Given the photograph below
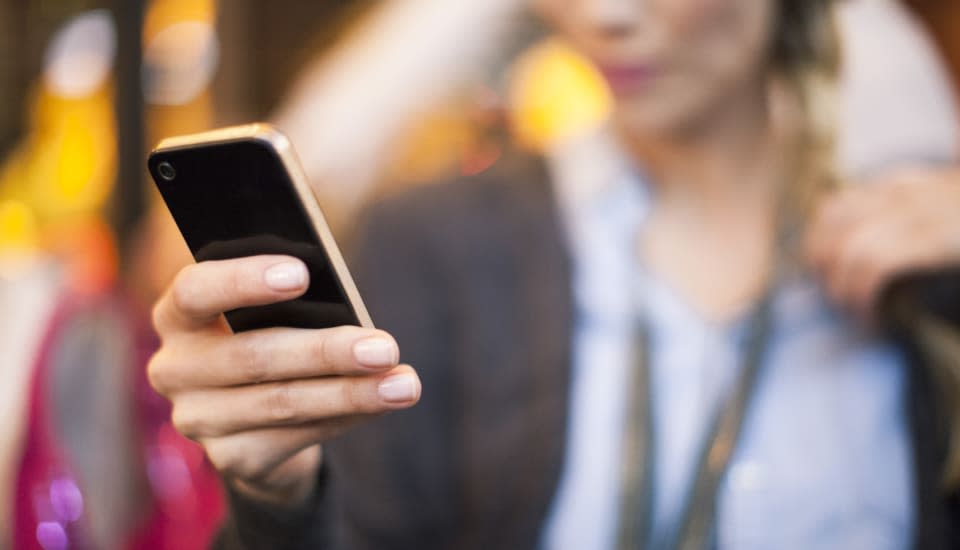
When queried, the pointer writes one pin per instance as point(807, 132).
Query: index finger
point(203, 291)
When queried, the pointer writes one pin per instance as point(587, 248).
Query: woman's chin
point(642, 118)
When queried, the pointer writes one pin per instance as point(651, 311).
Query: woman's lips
point(624, 78)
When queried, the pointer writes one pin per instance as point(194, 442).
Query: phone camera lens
point(166, 171)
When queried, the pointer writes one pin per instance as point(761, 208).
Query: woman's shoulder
point(897, 103)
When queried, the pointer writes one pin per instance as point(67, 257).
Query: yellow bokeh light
point(18, 227)
point(70, 157)
point(76, 164)
point(556, 94)
point(163, 13)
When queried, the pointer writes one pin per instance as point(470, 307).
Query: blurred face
point(671, 64)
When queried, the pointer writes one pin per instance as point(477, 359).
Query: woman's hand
point(260, 402)
point(864, 236)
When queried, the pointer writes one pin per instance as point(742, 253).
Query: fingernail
point(376, 352)
point(401, 388)
point(286, 276)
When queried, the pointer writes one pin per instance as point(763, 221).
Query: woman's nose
point(614, 17)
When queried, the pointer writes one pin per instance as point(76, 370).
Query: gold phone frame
point(279, 143)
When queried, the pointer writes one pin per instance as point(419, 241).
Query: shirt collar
point(594, 178)
point(586, 167)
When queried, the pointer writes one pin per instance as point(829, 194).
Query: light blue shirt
point(824, 458)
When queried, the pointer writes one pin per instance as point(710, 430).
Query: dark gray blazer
point(473, 279)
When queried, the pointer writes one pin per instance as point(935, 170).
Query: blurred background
point(371, 99)
point(87, 87)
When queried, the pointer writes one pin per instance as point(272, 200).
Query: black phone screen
point(236, 199)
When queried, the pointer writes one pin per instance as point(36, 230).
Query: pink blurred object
point(179, 503)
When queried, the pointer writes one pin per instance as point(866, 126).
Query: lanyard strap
point(695, 526)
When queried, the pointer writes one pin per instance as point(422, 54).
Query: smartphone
point(240, 191)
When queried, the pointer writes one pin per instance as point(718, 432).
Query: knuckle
point(157, 317)
point(320, 351)
point(238, 283)
point(248, 355)
point(185, 422)
point(157, 373)
point(233, 464)
point(183, 292)
point(236, 467)
point(281, 403)
point(353, 397)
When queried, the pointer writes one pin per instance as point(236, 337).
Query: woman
point(624, 355)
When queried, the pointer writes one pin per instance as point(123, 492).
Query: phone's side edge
point(284, 149)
